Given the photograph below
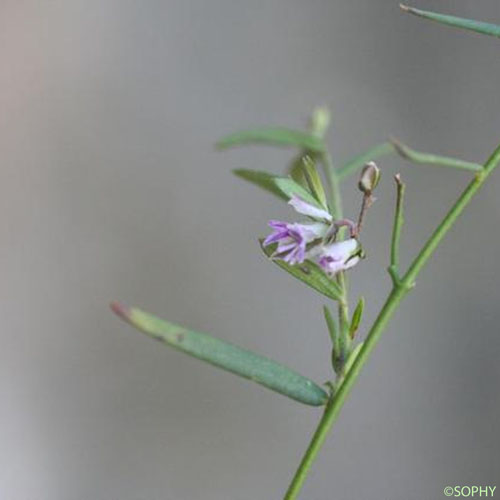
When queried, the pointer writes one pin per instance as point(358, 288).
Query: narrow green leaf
point(334, 336)
point(359, 161)
point(296, 171)
point(289, 187)
point(227, 356)
point(274, 136)
point(430, 159)
point(262, 179)
point(330, 323)
point(357, 315)
point(309, 273)
point(457, 22)
point(284, 187)
point(405, 152)
point(314, 181)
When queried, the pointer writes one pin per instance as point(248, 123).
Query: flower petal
point(304, 208)
point(339, 256)
point(341, 250)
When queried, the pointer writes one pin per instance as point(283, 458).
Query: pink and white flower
point(340, 256)
point(293, 238)
point(297, 242)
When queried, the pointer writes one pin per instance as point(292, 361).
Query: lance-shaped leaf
point(296, 172)
point(314, 181)
point(274, 136)
point(264, 180)
point(334, 335)
point(284, 187)
point(332, 326)
point(227, 356)
point(309, 273)
point(426, 158)
point(357, 315)
point(457, 22)
point(291, 188)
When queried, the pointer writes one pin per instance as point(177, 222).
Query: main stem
point(400, 289)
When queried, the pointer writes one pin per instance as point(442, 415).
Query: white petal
point(305, 208)
point(312, 231)
point(351, 263)
point(341, 250)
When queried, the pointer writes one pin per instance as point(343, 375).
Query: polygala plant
point(319, 247)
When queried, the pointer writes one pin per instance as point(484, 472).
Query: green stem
point(399, 290)
point(337, 401)
point(336, 208)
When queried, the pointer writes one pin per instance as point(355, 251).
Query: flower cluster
point(297, 242)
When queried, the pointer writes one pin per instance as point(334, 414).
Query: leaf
point(291, 188)
point(405, 152)
point(430, 159)
point(309, 273)
point(296, 171)
point(275, 136)
point(334, 335)
point(284, 187)
point(457, 22)
point(314, 181)
point(330, 323)
point(227, 356)
point(262, 179)
point(356, 317)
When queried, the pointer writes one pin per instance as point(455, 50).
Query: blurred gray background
point(111, 189)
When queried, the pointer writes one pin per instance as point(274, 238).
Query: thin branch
point(396, 232)
point(367, 202)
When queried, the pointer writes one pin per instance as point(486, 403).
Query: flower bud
point(369, 178)
point(320, 120)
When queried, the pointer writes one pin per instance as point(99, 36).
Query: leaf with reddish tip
point(227, 356)
point(456, 22)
